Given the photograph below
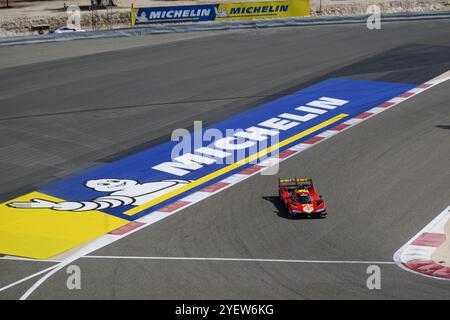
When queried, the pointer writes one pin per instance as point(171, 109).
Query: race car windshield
point(306, 198)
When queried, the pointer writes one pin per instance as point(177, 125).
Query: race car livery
point(301, 198)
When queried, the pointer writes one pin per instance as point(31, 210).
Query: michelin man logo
point(222, 14)
point(142, 17)
point(122, 193)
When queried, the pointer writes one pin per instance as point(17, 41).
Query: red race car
point(301, 198)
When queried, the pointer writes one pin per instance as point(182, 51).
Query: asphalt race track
point(383, 179)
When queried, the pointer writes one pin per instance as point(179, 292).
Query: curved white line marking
point(423, 252)
point(27, 278)
point(156, 216)
point(95, 245)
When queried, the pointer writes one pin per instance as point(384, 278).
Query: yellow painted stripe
point(235, 165)
point(44, 233)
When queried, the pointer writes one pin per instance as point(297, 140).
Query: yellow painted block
point(263, 10)
point(43, 233)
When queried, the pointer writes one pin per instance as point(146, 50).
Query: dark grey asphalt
point(63, 115)
point(384, 180)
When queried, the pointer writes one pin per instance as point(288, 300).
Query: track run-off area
point(365, 113)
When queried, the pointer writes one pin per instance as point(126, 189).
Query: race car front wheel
point(289, 214)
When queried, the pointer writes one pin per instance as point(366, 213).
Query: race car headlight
point(320, 210)
point(295, 211)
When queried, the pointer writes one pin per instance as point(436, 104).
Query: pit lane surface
point(373, 176)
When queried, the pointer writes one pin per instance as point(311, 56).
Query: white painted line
point(156, 216)
point(94, 245)
point(377, 110)
point(238, 260)
point(198, 196)
point(327, 134)
point(438, 221)
point(353, 121)
point(28, 278)
point(301, 147)
point(269, 162)
point(417, 253)
point(410, 253)
point(397, 100)
point(235, 178)
point(417, 90)
point(439, 79)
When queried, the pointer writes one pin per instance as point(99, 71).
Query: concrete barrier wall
point(21, 25)
point(215, 26)
point(350, 7)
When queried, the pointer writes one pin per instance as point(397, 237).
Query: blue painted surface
point(362, 96)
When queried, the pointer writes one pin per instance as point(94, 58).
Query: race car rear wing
point(297, 182)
